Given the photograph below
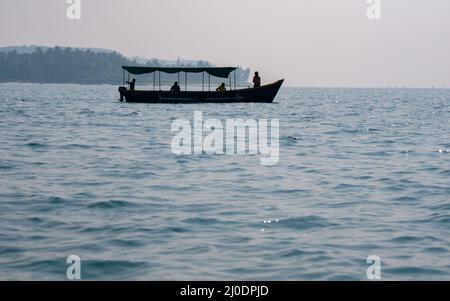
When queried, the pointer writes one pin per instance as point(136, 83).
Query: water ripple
point(361, 172)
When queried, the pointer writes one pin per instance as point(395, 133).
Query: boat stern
point(122, 91)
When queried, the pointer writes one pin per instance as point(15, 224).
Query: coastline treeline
point(73, 65)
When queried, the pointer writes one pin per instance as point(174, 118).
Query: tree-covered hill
point(74, 65)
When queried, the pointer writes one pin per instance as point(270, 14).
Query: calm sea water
point(361, 172)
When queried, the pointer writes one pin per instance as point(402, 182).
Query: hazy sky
point(308, 42)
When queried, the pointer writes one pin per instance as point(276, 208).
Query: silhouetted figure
point(132, 84)
point(256, 80)
point(175, 87)
point(221, 88)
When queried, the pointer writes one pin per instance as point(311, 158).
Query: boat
point(263, 94)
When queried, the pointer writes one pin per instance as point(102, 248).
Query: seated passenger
point(221, 88)
point(175, 87)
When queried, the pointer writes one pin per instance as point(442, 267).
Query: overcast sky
point(308, 42)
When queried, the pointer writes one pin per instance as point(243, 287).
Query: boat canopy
point(222, 72)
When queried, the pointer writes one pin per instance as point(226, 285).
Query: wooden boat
point(264, 94)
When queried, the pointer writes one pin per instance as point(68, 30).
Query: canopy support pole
point(154, 80)
point(203, 81)
point(229, 77)
point(235, 79)
point(159, 74)
point(178, 78)
point(209, 82)
point(185, 81)
point(123, 78)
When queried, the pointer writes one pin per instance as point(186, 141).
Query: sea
point(361, 188)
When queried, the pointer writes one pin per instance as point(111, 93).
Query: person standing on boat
point(175, 87)
point(256, 80)
point(132, 84)
point(221, 88)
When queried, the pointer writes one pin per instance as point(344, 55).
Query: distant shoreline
point(34, 64)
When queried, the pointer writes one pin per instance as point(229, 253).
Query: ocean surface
point(361, 172)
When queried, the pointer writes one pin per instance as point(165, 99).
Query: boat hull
point(265, 94)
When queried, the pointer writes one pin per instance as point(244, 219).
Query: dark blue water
point(361, 172)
